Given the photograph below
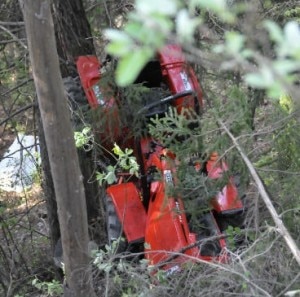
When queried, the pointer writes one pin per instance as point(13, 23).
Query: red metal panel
point(165, 229)
point(88, 70)
point(110, 130)
point(227, 199)
point(130, 210)
point(179, 76)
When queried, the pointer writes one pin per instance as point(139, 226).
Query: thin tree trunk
point(48, 188)
point(63, 157)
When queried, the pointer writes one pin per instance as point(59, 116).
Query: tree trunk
point(73, 37)
point(73, 34)
point(63, 157)
point(48, 187)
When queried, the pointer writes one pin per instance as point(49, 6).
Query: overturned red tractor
point(142, 209)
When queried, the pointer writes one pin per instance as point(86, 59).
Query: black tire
point(74, 91)
point(114, 227)
point(207, 228)
point(77, 101)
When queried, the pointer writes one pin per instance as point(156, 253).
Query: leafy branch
point(125, 161)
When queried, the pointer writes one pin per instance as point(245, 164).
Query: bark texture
point(64, 163)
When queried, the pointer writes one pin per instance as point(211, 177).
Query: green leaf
point(274, 31)
point(117, 150)
point(255, 80)
point(292, 39)
point(128, 151)
point(234, 42)
point(136, 30)
point(130, 65)
point(86, 130)
point(118, 49)
point(219, 7)
point(209, 4)
point(120, 43)
point(186, 25)
point(111, 176)
point(285, 66)
point(116, 35)
point(275, 90)
point(166, 7)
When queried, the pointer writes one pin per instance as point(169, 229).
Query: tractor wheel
point(74, 91)
point(114, 227)
point(76, 99)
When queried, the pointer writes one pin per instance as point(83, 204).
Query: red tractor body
point(146, 209)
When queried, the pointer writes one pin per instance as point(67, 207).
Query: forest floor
point(24, 232)
point(6, 135)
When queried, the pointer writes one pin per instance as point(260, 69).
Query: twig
point(289, 286)
point(16, 87)
point(224, 268)
point(10, 41)
point(263, 193)
point(11, 23)
point(19, 150)
point(14, 36)
point(17, 112)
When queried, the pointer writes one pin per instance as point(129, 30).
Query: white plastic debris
point(19, 164)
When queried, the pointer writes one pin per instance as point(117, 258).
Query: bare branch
point(16, 87)
point(11, 23)
point(14, 37)
point(265, 196)
point(17, 112)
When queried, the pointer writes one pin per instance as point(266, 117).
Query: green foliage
point(83, 138)
point(123, 278)
point(53, 288)
point(232, 233)
point(149, 27)
point(275, 75)
point(181, 132)
point(144, 33)
point(124, 161)
point(288, 140)
point(219, 7)
point(186, 26)
point(293, 13)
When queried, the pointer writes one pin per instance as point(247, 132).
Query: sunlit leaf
point(130, 65)
point(117, 150)
point(186, 25)
point(217, 6)
point(234, 42)
point(285, 66)
point(167, 7)
point(274, 31)
point(255, 80)
point(120, 43)
point(292, 39)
